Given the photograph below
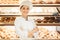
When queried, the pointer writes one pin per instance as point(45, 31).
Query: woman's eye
point(23, 8)
point(27, 8)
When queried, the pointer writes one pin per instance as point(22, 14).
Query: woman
point(24, 26)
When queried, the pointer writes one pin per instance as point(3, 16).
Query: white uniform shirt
point(26, 25)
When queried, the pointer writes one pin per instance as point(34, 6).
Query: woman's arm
point(35, 29)
point(31, 33)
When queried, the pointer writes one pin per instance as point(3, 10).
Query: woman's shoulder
point(30, 19)
point(18, 19)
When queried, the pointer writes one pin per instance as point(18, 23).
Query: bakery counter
point(8, 32)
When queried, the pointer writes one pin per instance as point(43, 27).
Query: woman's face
point(24, 9)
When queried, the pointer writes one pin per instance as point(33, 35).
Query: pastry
point(34, 1)
point(44, 21)
point(38, 20)
point(7, 33)
point(46, 34)
point(47, 18)
point(9, 1)
point(56, 21)
point(51, 20)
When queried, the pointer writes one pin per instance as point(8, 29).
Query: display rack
point(34, 5)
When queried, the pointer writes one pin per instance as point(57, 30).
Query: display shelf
point(6, 24)
point(31, 14)
point(34, 5)
point(34, 14)
point(48, 24)
point(43, 14)
point(38, 24)
point(9, 15)
point(46, 5)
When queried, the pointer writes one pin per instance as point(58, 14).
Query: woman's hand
point(35, 29)
point(21, 28)
point(30, 34)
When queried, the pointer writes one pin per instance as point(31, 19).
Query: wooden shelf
point(38, 24)
point(9, 15)
point(48, 24)
point(31, 15)
point(34, 5)
point(6, 24)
